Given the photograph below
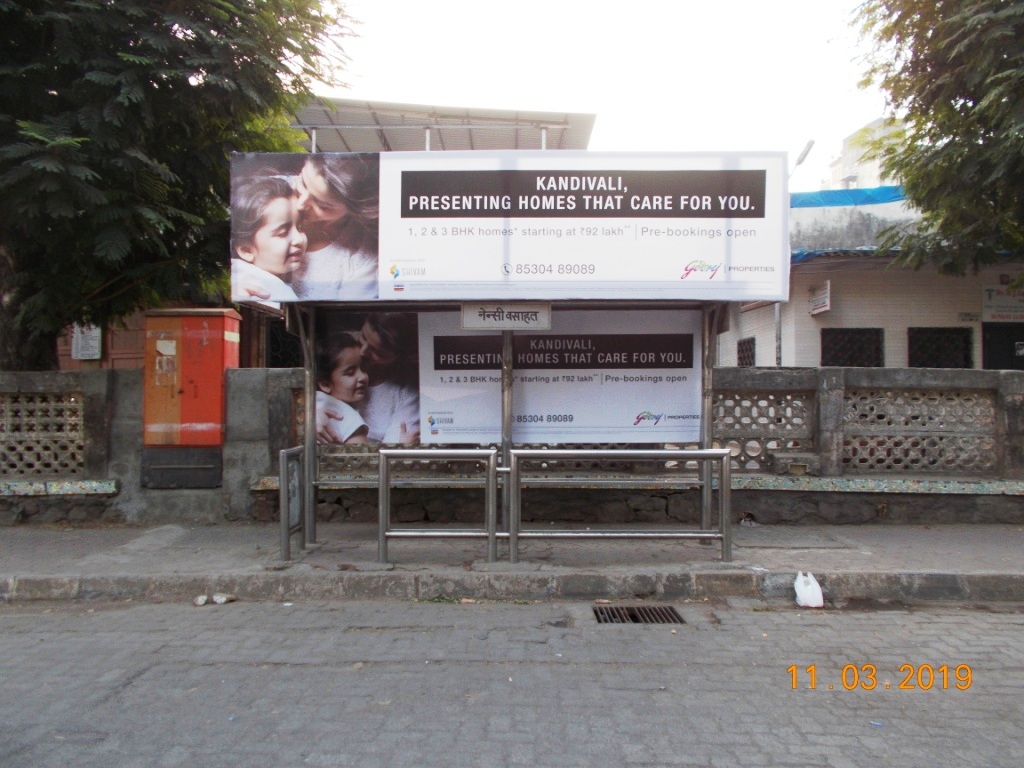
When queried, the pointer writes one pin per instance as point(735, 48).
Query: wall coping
point(58, 488)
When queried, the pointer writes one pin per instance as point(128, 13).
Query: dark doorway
point(1002, 346)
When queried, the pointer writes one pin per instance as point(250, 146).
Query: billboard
point(630, 377)
point(409, 378)
point(509, 225)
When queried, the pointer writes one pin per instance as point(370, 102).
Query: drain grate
point(637, 614)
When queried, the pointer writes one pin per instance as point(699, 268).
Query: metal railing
point(488, 456)
point(514, 483)
point(720, 456)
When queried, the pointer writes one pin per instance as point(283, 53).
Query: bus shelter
point(507, 320)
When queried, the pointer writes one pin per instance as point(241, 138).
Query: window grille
point(852, 347)
point(283, 348)
point(746, 352)
point(940, 347)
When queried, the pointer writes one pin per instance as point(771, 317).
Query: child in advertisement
point(267, 247)
point(343, 384)
point(389, 358)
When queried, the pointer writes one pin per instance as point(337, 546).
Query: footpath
point(881, 563)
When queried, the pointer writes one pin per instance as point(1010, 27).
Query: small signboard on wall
point(1001, 304)
point(86, 342)
point(821, 298)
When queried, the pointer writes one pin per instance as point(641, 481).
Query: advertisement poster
point(304, 227)
point(366, 374)
point(509, 225)
point(605, 377)
point(584, 225)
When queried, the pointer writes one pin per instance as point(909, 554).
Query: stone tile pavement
point(377, 684)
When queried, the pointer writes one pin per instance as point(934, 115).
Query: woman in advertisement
point(389, 348)
point(338, 199)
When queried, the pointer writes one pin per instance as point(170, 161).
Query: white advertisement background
point(491, 257)
point(460, 406)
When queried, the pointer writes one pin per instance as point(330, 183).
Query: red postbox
point(184, 401)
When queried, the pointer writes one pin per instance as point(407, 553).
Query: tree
point(117, 120)
point(953, 72)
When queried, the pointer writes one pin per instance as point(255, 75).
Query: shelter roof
point(348, 125)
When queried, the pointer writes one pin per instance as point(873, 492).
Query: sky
point(660, 75)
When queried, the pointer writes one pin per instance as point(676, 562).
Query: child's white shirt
point(343, 428)
point(246, 276)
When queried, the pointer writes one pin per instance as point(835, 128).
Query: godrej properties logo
point(648, 416)
point(700, 268)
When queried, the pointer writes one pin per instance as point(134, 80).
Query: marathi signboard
point(501, 226)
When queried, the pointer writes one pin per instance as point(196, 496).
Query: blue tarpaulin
point(838, 197)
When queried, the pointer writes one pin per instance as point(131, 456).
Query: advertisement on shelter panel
point(509, 225)
point(630, 376)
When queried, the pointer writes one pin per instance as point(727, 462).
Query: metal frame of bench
point(514, 482)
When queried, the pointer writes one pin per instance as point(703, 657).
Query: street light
point(803, 156)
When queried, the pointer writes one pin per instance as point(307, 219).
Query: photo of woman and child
point(367, 376)
point(304, 227)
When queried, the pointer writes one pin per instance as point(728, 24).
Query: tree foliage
point(117, 119)
point(953, 72)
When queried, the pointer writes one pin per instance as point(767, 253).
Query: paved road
point(501, 684)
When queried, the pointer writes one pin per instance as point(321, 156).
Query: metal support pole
point(311, 468)
point(491, 508)
point(506, 423)
point(706, 417)
point(426, 138)
point(515, 511)
point(725, 507)
point(383, 509)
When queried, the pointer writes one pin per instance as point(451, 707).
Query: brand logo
point(406, 272)
point(648, 416)
point(700, 268)
point(437, 421)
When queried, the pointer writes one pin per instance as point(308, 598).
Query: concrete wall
point(265, 412)
point(261, 420)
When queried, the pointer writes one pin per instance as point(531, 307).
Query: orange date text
point(865, 677)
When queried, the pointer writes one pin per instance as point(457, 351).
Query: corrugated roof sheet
point(345, 125)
